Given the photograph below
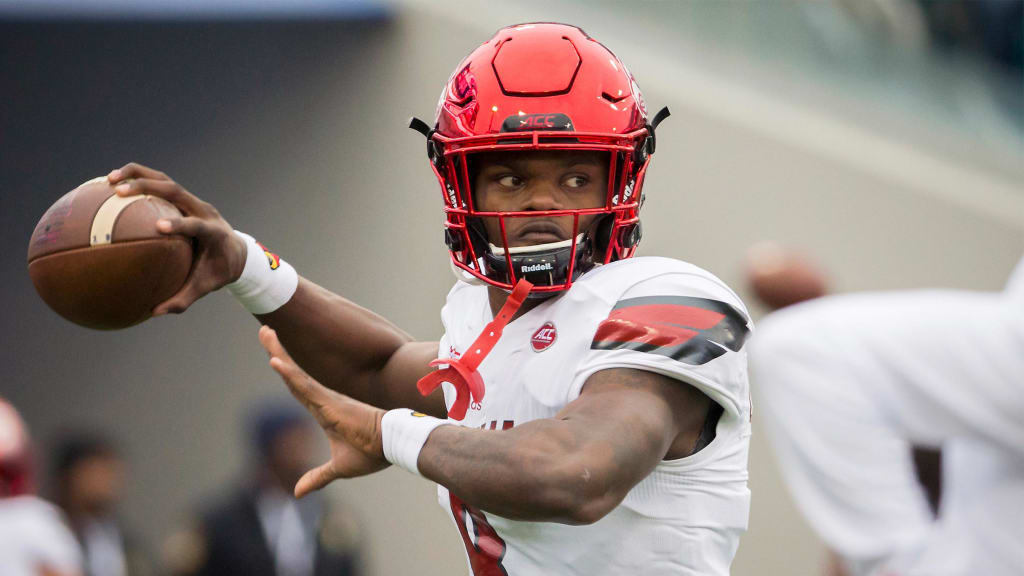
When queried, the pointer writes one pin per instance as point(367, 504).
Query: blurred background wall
point(890, 153)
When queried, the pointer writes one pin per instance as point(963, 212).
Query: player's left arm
point(573, 468)
point(578, 466)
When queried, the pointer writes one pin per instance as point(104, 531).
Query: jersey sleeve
point(849, 383)
point(686, 326)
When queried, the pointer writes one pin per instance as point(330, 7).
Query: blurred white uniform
point(33, 536)
point(848, 383)
point(653, 314)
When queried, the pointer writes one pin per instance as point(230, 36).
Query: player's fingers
point(300, 384)
point(167, 189)
point(307, 391)
point(271, 343)
point(190, 226)
point(134, 170)
point(315, 479)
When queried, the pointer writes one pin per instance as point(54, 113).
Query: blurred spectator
point(88, 478)
point(261, 529)
point(34, 540)
point(849, 383)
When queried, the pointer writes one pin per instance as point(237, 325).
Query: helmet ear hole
point(453, 240)
point(630, 235)
point(434, 152)
point(603, 233)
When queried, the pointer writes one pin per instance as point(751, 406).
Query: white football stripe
point(106, 217)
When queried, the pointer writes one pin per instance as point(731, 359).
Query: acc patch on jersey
point(685, 328)
point(543, 337)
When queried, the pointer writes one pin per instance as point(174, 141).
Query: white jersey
point(33, 536)
point(655, 314)
point(849, 383)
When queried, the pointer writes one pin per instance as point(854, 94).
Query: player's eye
point(510, 181)
point(575, 181)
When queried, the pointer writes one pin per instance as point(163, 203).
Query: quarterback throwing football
point(585, 412)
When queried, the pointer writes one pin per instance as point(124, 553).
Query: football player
point(34, 538)
point(585, 412)
point(850, 383)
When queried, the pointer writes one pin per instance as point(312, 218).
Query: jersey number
point(483, 545)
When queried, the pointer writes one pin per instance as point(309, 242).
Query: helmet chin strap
point(541, 264)
point(517, 250)
point(463, 276)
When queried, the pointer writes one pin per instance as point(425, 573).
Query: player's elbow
point(589, 511)
point(579, 495)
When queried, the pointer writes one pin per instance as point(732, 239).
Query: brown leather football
point(98, 260)
point(781, 277)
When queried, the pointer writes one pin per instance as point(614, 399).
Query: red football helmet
point(15, 454)
point(540, 86)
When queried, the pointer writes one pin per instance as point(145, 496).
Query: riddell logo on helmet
point(537, 267)
point(543, 337)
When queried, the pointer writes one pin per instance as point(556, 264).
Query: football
point(781, 277)
point(97, 259)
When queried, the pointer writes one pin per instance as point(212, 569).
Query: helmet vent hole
point(613, 99)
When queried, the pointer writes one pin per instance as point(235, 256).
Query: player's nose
point(543, 195)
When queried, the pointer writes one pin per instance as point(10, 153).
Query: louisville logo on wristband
point(273, 259)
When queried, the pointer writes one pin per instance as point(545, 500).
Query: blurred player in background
point(850, 382)
point(588, 412)
point(34, 540)
point(779, 277)
point(89, 481)
point(260, 529)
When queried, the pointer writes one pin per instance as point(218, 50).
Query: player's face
point(530, 181)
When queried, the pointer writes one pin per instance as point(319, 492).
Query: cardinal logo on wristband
point(273, 259)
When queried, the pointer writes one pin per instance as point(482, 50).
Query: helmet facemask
point(597, 233)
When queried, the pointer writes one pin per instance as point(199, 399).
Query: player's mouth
point(541, 232)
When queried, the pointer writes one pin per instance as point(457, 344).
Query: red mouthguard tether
point(461, 372)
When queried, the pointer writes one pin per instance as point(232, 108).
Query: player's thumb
point(314, 479)
point(180, 302)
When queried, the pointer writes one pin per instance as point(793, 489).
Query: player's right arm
point(341, 344)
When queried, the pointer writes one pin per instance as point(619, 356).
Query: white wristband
point(403, 433)
point(267, 281)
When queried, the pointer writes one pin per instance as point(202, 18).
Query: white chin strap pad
point(463, 276)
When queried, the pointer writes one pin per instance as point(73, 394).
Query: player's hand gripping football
point(352, 427)
point(219, 254)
